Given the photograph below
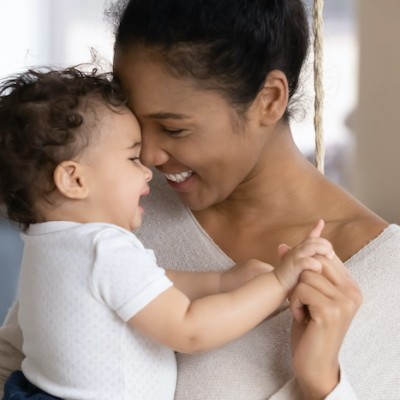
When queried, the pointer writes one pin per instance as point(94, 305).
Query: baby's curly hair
point(42, 113)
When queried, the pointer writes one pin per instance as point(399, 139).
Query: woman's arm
point(291, 391)
point(11, 355)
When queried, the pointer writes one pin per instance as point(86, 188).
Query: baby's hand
point(243, 272)
point(301, 257)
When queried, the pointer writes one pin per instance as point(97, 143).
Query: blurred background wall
point(360, 76)
point(36, 33)
point(376, 171)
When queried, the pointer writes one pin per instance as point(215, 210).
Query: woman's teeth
point(179, 177)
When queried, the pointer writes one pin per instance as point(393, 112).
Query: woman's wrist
point(320, 386)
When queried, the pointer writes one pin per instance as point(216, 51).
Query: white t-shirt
point(79, 285)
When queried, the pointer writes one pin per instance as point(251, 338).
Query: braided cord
point(318, 84)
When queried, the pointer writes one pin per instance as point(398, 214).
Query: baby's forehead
point(96, 113)
point(102, 108)
point(104, 122)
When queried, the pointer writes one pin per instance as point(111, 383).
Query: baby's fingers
point(317, 230)
point(282, 250)
point(315, 246)
point(309, 263)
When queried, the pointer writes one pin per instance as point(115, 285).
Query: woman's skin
point(251, 190)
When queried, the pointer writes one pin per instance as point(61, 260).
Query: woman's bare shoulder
point(351, 234)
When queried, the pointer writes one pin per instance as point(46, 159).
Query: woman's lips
point(180, 182)
point(179, 177)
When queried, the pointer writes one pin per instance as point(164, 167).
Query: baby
point(100, 319)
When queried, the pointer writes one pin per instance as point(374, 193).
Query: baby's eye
point(135, 159)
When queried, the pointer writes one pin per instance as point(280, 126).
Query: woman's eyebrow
point(166, 115)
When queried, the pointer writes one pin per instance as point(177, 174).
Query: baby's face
point(115, 176)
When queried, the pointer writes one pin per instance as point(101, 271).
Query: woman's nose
point(152, 152)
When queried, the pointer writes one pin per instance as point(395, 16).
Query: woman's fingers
point(335, 271)
point(301, 298)
point(334, 283)
point(323, 300)
point(320, 283)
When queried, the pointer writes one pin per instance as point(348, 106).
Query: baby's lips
point(146, 192)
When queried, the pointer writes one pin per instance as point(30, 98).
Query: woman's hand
point(323, 306)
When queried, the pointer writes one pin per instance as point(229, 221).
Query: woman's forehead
point(152, 89)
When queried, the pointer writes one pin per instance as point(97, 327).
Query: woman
point(210, 82)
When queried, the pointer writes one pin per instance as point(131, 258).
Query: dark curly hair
point(42, 113)
point(224, 45)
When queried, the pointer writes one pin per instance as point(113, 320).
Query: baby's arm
point(199, 284)
point(208, 322)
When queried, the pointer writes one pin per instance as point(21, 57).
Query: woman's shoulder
point(350, 235)
point(376, 269)
point(378, 242)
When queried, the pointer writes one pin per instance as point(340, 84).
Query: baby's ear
point(70, 180)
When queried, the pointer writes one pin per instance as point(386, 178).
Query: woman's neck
point(280, 203)
point(283, 183)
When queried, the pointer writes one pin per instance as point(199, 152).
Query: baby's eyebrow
point(134, 145)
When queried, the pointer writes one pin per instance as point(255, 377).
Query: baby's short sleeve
point(125, 275)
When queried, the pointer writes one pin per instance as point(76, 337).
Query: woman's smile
point(179, 177)
point(181, 182)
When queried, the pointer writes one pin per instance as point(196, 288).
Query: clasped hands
point(323, 300)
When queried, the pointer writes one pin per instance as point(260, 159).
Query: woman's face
point(189, 134)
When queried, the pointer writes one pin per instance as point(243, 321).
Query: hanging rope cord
point(318, 84)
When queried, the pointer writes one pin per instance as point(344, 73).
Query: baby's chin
point(136, 223)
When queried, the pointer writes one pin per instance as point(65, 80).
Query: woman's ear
point(273, 98)
point(70, 180)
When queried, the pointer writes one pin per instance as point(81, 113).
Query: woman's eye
point(172, 132)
